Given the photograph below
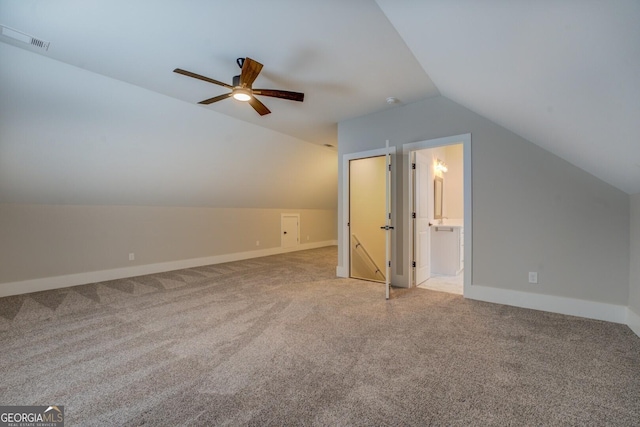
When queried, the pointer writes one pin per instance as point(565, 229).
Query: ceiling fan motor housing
point(236, 80)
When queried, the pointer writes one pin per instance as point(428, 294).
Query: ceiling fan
point(242, 90)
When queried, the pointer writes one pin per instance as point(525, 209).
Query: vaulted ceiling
point(563, 74)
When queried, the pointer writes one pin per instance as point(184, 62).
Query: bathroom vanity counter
point(449, 223)
point(447, 248)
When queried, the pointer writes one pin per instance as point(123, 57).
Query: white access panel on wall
point(290, 230)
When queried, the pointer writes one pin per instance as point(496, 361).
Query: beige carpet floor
point(282, 341)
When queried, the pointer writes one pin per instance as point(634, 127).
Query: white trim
point(47, 283)
point(465, 140)
point(342, 270)
point(633, 321)
point(554, 304)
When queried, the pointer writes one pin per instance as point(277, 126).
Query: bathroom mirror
point(437, 197)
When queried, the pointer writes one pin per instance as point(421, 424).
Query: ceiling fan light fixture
point(241, 94)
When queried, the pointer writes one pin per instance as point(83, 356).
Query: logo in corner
point(32, 416)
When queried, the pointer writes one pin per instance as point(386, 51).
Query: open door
point(421, 177)
point(367, 201)
point(367, 212)
point(388, 227)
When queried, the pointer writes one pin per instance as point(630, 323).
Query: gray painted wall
point(70, 136)
point(39, 241)
point(92, 169)
point(532, 211)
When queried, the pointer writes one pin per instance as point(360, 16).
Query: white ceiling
point(345, 56)
point(562, 74)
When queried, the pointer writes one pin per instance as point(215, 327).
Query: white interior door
point(388, 227)
point(290, 230)
point(422, 221)
point(367, 213)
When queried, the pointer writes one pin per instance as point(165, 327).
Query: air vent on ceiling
point(23, 37)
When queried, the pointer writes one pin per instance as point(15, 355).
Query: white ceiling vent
point(22, 37)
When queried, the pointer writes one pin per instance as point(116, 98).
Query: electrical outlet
point(307, 237)
point(132, 256)
point(257, 242)
point(533, 277)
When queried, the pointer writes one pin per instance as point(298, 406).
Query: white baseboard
point(633, 321)
point(342, 271)
point(47, 283)
point(570, 306)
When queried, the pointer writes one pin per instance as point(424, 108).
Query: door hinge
point(413, 215)
point(413, 165)
point(389, 167)
point(413, 264)
point(389, 215)
point(389, 264)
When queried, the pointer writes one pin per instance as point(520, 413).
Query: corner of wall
point(633, 318)
point(633, 321)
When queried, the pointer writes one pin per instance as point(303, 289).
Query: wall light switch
point(533, 277)
point(257, 242)
point(132, 256)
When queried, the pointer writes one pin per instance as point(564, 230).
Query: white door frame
point(346, 235)
point(465, 140)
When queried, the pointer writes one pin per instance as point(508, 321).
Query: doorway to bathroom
point(439, 209)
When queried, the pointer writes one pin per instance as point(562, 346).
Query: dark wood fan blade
point(258, 106)
point(250, 70)
point(198, 76)
point(215, 99)
point(284, 94)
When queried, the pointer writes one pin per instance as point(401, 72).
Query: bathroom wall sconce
point(441, 166)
